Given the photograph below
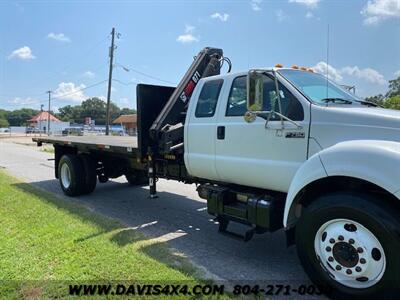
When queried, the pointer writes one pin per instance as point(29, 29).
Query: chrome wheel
point(350, 253)
point(65, 176)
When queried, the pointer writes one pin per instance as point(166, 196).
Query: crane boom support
point(172, 117)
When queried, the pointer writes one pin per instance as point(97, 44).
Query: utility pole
point(48, 114)
point(109, 82)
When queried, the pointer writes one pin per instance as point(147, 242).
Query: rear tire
point(71, 175)
point(137, 178)
point(348, 244)
point(90, 174)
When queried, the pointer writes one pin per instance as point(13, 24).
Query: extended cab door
point(251, 154)
point(200, 129)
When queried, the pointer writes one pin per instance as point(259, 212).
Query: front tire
point(71, 175)
point(348, 244)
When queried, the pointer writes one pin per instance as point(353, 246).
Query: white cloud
point(60, 37)
point(323, 68)
point(255, 5)
point(309, 3)
point(89, 74)
point(23, 101)
point(397, 73)
point(281, 15)
point(367, 74)
point(24, 53)
point(188, 37)
point(70, 91)
point(222, 17)
point(379, 10)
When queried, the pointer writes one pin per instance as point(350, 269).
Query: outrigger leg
point(152, 177)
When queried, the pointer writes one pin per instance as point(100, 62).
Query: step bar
point(260, 211)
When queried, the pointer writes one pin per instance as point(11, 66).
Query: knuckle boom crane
point(167, 129)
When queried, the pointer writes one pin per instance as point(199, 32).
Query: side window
point(237, 101)
point(208, 98)
point(291, 107)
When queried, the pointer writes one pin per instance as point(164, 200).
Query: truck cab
point(221, 145)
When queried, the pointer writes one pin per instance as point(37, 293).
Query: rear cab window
point(207, 102)
point(237, 101)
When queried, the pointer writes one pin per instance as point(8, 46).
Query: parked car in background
point(32, 130)
point(73, 131)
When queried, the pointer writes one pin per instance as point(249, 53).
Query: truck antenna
point(327, 61)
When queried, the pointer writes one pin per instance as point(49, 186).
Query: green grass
point(45, 239)
point(47, 149)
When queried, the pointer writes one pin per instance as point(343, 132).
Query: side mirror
point(255, 90)
point(250, 117)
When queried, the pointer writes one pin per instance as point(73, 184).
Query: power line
point(38, 101)
point(127, 68)
point(77, 58)
point(24, 95)
point(90, 50)
point(151, 76)
point(25, 103)
point(99, 67)
point(124, 83)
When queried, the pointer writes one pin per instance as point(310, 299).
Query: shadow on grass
point(124, 236)
point(172, 259)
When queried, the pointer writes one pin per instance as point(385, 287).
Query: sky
point(63, 46)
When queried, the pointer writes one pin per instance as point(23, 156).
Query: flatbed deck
point(117, 144)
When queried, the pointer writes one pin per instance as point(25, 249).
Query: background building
point(128, 123)
point(40, 122)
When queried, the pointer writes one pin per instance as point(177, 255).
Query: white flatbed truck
point(270, 148)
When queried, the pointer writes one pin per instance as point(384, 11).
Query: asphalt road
point(178, 216)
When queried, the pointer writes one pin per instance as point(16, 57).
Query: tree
point(4, 123)
point(4, 114)
point(391, 99)
point(20, 116)
point(394, 88)
point(94, 108)
point(127, 111)
point(378, 99)
point(392, 103)
point(70, 113)
point(115, 112)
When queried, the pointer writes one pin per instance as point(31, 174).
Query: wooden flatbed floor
point(120, 144)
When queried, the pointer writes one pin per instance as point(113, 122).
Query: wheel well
point(333, 184)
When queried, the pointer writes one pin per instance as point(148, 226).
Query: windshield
point(317, 88)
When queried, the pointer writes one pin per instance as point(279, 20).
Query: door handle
point(221, 132)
